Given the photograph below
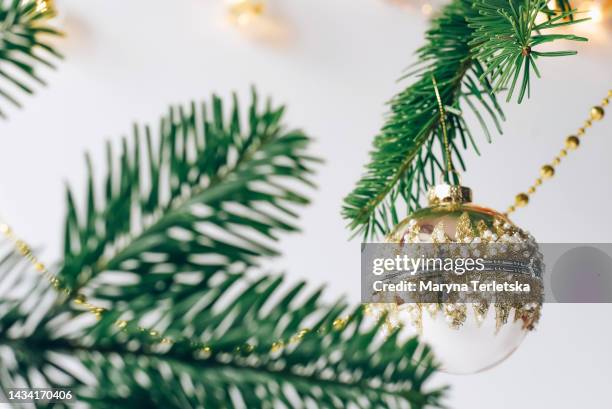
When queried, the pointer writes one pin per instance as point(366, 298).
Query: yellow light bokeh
point(243, 12)
point(596, 13)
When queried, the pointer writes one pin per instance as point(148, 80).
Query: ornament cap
point(449, 194)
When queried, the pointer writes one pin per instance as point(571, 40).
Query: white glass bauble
point(464, 337)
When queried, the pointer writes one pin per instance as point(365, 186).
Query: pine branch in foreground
point(330, 366)
point(174, 247)
point(23, 29)
point(475, 50)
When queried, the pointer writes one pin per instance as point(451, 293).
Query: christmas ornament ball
point(464, 337)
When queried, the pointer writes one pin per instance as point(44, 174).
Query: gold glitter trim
point(529, 315)
point(456, 314)
point(480, 312)
point(502, 312)
point(464, 232)
point(481, 226)
point(413, 231)
point(438, 235)
point(498, 230)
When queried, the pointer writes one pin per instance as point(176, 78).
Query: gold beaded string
point(64, 290)
point(204, 350)
point(572, 142)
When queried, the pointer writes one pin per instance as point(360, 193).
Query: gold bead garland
point(204, 350)
point(572, 142)
point(547, 171)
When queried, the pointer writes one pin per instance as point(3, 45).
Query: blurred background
point(335, 64)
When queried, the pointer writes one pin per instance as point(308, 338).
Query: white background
point(335, 64)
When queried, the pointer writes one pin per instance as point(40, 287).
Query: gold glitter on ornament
point(502, 312)
point(464, 232)
point(433, 309)
point(439, 234)
point(456, 314)
point(481, 226)
point(480, 312)
point(413, 232)
point(501, 227)
point(528, 314)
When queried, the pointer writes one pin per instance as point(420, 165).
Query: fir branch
point(208, 194)
point(147, 232)
point(331, 366)
point(23, 28)
point(475, 50)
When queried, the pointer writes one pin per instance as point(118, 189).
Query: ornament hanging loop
point(450, 169)
point(458, 179)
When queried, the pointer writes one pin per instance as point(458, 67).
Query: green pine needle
point(23, 47)
point(475, 50)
